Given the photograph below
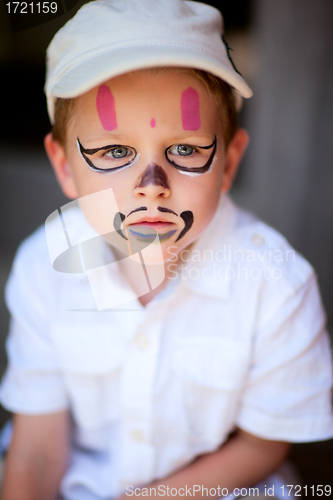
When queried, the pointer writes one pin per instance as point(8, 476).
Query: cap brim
point(101, 67)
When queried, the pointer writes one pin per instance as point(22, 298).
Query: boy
point(204, 378)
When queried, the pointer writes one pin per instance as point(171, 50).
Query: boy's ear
point(59, 162)
point(233, 157)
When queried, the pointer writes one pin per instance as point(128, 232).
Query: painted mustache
point(187, 217)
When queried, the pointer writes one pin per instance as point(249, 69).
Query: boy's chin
point(151, 252)
point(155, 254)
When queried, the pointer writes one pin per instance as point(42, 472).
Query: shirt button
point(258, 240)
point(142, 341)
point(137, 436)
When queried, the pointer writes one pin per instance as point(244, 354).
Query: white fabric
point(151, 388)
point(107, 38)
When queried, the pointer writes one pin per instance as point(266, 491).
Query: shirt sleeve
point(288, 392)
point(32, 383)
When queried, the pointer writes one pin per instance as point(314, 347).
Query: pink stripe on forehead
point(190, 109)
point(106, 109)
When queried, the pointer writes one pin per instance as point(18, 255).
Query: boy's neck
point(128, 272)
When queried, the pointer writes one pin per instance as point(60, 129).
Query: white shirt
point(237, 339)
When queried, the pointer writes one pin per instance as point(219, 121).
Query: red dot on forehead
point(153, 123)
point(106, 109)
point(190, 109)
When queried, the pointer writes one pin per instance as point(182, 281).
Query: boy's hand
point(37, 457)
point(242, 461)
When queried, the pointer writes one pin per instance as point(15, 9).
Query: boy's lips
point(141, 229)
point(158, 224)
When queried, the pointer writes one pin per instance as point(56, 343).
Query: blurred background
point(284, 49)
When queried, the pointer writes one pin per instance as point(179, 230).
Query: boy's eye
point(114, 157)
point(181, 149)
point(109, 158)
point(191, 159)
point(118, 152)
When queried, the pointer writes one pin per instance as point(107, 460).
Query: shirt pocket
point(90, 358)
point(212, 373)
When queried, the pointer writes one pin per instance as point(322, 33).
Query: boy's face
point(156, 139)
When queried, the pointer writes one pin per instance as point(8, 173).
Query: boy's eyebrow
point(106, 138)
point(184, 138)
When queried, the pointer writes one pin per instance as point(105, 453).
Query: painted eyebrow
point(103, 148)
point(207, 147)
point(200, 170)
point(194, 145)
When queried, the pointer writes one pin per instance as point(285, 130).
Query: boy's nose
point(153, 183)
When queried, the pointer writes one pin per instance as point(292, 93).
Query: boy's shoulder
point(35, 254)
point(31, 251)
point(34, 281)
point(263, 246)
point(249, 252)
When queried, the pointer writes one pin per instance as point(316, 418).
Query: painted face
point(156, 139)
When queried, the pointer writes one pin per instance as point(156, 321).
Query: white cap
point(107, 38)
